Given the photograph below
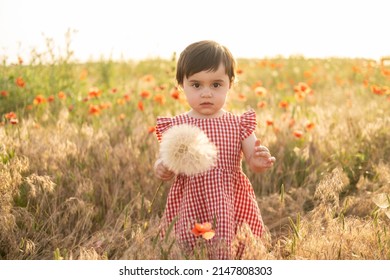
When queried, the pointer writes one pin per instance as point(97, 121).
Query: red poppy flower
point(10, 115)
point(20, 82)
point(127, 97)
point(269, 122)
point(61, 95)
point(298, 133)
point(301, 90)
point(302, 87)
point(145, 94)
point(239, 71)
point(205, 230)
point(159, 98)
point(386, 72)
point(377, 90)
point(141, 106)
point(241, 96)
point(94, 92)
point(94, 110)
point(261, 91)
point(175, 94)
point(309, 126)
point(261, 104)
point(283, 104)
point(39, 99)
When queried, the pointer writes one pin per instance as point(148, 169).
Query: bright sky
point(140, 29)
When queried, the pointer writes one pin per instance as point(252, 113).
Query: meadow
point(77, 148)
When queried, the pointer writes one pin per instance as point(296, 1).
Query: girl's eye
point(196, 85)
point(216, 85)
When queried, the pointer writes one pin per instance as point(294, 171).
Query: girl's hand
point(162, 172)
point(261, 158)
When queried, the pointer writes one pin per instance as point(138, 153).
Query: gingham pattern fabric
point(223, 195)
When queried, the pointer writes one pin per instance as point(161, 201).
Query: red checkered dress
point(223, 195)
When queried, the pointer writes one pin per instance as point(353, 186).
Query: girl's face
point(206, 92)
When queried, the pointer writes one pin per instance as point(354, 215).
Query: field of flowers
point(77, 147)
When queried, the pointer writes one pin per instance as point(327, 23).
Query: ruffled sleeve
point(247, 124)
point(163, 124)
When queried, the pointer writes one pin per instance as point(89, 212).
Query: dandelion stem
point(154, 196)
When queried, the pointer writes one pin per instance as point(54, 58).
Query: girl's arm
point(257, 156)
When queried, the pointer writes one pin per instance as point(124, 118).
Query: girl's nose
point(207, 92)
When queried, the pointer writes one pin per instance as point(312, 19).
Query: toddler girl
point(223, 195)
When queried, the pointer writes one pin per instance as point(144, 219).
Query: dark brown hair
point(204, 56)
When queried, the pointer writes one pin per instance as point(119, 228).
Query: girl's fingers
point(165, 174)
point(265, 159)
point(169, 177)
point(263, 154)
point(162, 172)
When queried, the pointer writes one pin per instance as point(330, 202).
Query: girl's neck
point(196, 115)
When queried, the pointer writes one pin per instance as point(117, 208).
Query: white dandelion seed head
point(186, 149)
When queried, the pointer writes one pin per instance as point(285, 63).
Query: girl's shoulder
point(171, 120)
point(248, 115)
point(248, 123)
point(164, 123)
